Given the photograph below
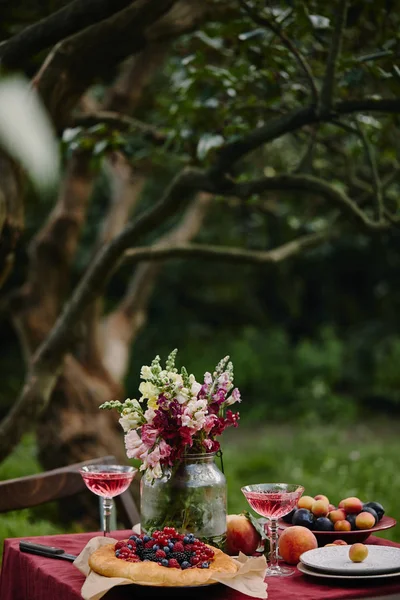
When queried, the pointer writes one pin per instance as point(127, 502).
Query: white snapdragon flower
point(145, 372)
point(176, 378)
point(152, 473)
point(148, 390)
point(130, 419)
point(183, 396)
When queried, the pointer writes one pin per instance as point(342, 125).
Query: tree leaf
point(207, 142)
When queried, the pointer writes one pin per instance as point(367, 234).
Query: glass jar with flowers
point(172, 430)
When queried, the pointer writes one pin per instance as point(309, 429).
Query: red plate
point(351, 537)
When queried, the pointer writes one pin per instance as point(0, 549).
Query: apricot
point(331, 507)
point(305, 502)
point(321, 497)
point(364, 520)
point(352, 505)
point(358, 552)
point(342, 525)
point(340, 505)
point(295, 540)
point(241, 535)
point(337, 515)
point(326, 545)
point(340, 543)
point(320, 508)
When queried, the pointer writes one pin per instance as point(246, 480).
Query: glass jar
point(190, 496)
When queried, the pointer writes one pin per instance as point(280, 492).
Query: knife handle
point(33, 548)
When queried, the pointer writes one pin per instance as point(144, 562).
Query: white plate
point(335, 559)
point(307, 571)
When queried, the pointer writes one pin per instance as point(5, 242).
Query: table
point(29, 577)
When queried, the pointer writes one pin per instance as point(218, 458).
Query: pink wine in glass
point(273, 500)
point(272, 504)
point(107, 485)
point(107, 481)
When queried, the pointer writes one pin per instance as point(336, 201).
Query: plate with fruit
point(351, 520)
point(357, 559)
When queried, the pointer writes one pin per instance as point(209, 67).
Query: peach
point(321, 497)
point(337, 515)
point(358, 552)
point(340, 505)
point(320, 508)
point(326, 545)
point(352, 505)
point(339, 543)
point(331, 507)
point(342, 525)
point(295, 540)
point(364, 520)
point(305, 502)
point(241, 535)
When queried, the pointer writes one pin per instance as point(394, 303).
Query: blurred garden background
point(281, 247)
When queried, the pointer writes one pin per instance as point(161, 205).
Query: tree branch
point(127, 92)
point(121, 122)
point(230, 254)
point(308, 184)
point(328, 85)
point(65, 74)
point(287, 42)
point(376, 181)
point(70, 19)
point(275, 128)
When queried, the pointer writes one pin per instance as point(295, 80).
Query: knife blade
point(42, 550)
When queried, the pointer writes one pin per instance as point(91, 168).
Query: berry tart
point(166, 558)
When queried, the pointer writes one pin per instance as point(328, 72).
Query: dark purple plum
point(303, 517)
point(323, 524)
point(352, 520)
point(378, 508)
point(288, 518)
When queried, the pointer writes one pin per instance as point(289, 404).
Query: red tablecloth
point(29, 577)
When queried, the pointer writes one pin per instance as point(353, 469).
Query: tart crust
point(104, 562)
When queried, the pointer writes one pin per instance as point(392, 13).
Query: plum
point(288, 518)
point(352, 520)
point(323, 524)
point(378, 508)
point(304, 518)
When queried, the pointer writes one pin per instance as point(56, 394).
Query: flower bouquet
point(172, 430)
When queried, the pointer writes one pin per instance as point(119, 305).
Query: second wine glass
point(107, 481)
point(273, 501)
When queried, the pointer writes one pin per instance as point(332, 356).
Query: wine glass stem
point(107, 509)
point(273, 552)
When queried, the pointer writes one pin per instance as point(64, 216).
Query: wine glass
point(273, 501)
point(107, 481)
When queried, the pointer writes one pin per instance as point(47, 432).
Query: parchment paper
point(249, 579)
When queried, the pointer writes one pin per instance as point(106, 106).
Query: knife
point(48, 551)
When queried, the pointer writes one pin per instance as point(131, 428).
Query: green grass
point(362, 461)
